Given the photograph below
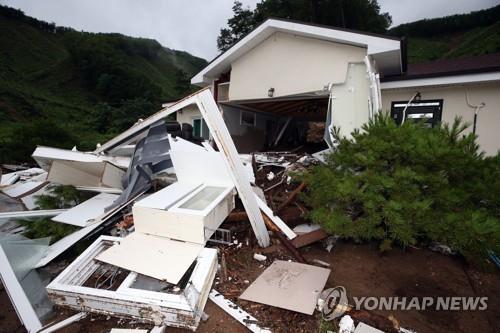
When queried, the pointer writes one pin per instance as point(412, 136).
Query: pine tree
point(407, 184)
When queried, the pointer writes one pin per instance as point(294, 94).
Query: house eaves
point(441, 80)
point(385, 50)
point(472, 69)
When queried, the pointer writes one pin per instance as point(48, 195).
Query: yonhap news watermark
point(334, 303)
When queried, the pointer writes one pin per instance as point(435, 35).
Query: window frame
point(242, 123)
point(398, 106)
point(202, 125)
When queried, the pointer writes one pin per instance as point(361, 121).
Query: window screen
point(428, 111)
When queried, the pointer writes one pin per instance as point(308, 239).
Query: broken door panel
point(158, 257)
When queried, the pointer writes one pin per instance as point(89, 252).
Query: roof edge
point(199, 78)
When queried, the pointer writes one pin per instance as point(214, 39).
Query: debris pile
point(167, 223)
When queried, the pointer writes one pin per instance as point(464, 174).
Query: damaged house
point(284, 77)
point(285, 84)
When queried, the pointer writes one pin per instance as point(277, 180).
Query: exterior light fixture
point(270, 92)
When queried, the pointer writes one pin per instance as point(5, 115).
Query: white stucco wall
point(187, 114)
point(291, 65)
point(454, 104)
point(350, 100)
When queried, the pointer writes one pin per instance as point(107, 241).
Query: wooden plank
point(212, 116)
point(286, 243)
point(309, 238)
point(236, 312)
point(128, 135)
point(277, 221)
point(292, 196)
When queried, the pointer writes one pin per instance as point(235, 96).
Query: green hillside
point(455, 36)
point(63, 88)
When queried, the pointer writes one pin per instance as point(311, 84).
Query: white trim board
point(442, 80)
point(21, 189)
point(27, 214)
point(213, 117)
point(88, 211)
point(236, 312)
point(289, 233)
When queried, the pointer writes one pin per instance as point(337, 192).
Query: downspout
point(476, 110)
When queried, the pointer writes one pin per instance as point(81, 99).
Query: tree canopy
point(362, 15)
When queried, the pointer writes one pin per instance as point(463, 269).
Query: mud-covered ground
point(361, 269)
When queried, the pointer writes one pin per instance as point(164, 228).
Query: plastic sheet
point(23, 254)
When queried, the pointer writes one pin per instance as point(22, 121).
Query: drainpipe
point(476, 110)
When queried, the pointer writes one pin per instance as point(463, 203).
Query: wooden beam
point(309, 238)
point(291, 197)
point(213, 118)
point(283, 240)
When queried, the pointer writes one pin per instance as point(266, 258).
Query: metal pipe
point(476, 110)
point(407, 105)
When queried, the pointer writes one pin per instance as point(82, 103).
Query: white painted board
point(178, 143)
point(88, 211)
point(212, 116)
point(29, 200)
point(288, 285)
point(9, 178)
point(21, 189)
point(236, 312)
point(158, 257)
point(276, 219)
point(200, 167)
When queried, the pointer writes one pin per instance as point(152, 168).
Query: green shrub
point(61, 196)
point(57, 197)
point(45, 227)
point(405, 184)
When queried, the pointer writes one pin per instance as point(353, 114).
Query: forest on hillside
point(62, 87)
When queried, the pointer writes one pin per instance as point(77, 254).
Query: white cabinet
point(184, 211)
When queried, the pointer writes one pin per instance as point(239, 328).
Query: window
point(428, 111)
point(200, 128)
point(247, 118)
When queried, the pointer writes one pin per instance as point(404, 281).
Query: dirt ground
point(361, 269)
